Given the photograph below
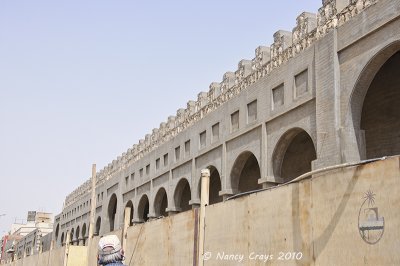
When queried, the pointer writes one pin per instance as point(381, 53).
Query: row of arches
point(296, 159)
point(374, 114)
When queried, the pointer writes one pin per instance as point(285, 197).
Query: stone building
point(323, 94)
point(29, 238)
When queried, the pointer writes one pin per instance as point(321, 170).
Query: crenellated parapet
point(309, 28)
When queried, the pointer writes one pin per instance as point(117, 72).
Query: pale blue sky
point(82, 81)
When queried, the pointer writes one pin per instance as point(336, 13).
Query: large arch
point(143, 208)
point(112, 210)
point(245, 172)
point(375, 105)
point(129, 205)
point(293, 155)
point(182, 195)
point(98, 226)
point(215, 186)
point(161, 203)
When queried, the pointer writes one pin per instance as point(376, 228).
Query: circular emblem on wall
point(370, 225)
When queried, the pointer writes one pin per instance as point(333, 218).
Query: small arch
point(84, 234)
point(245, 172)
point(77, 232)
point(62, 239)
point(143, 208)
point(57, 231)
point(112, 210)
point(161, 203)
point(215, 186)
point(71, 235)
point(98, 226)
point(182, 195)
point(293, 155)
point(129, 205)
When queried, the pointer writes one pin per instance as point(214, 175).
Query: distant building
point(26, 239)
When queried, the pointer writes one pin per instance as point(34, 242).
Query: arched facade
point(84, 236)
point(161, 203)
point(112, 210)
point(98, 226)
point(77, 235)
point(245, 173)
point(129, 205)
point(143, 208)
point(375, 105)
point(293, 155)
point(182, 195)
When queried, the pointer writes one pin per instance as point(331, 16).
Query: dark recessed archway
point(293, 154)
point(182, 195)
point(62, 239)
point(380, 115)
point(98, 226)
point(161, 203)
point(129, 205)
point(143, 208)
point(112, 210)
point(245, 172)
point(57, 231)
point(84, 234)
point(77, 235)
point(215, 186)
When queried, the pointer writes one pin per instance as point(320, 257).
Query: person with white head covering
point(110, 251)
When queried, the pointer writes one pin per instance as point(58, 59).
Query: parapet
point(309, 28)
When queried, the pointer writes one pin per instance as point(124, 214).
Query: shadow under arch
point(143, 208)
point(129, 205)
point(245, 173)
point(293, 154)
point(112, 210)
point(375, 104)
point(215, 186)
point(161, 203)
point(182, 195)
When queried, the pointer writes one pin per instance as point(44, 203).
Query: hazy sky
point(82, 81)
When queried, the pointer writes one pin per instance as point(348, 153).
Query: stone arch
point(293, 155)
point(129, 205)
point(182, 195)
point(161, 202)
point(62, 239)
point(112, 210)
point(143, 208)
point(71, 235)
point(77, 235)
point(245, 172)
point(84, 234)
point(215, 185)
point(98, 226)
point(57, 232)
point(375, 104)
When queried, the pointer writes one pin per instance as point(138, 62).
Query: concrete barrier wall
point(168, 241)
point(345, 217)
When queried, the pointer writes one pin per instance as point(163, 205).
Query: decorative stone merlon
point(244, 70)
point(282, 41)
point(309, 28)
point(215, 90)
